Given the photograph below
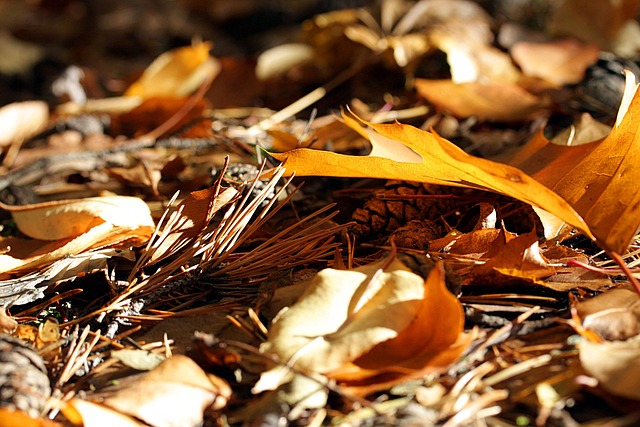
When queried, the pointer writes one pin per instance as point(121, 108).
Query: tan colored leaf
point(487, 101)
point(280, 59)
point(616, 365)
point(71, 218)
point(343, 314)
point(174, 394)
point(613, 315)
point(22, 120)
point(360, 324)
point(75, 226)
point(178, 72)
point(406, 153)
point(559, 62)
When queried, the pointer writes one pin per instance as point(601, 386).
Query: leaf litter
point(465, 291)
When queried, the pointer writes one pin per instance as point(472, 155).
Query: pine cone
point(383, 215)
point(24, 384)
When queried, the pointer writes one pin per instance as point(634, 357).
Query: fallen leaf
point(343, 314)
point(22, 120)
point(520, 258)
point(74, 226)
point(9, 418)
point(597, 22)
point(280, 59)
point(404, 152)
point(486, 101)
point(141, 360)
point(89, 414)
point(71, 218)
point(616, 365)
point(174, 394)
point(157, 110)
point(362, 323)
point(559, 62)
point(422, 348)
point(599, 179)
point(613, 315)
point(178, 72)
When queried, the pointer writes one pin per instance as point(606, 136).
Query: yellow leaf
point(411, 154)
point(176, 73)
point(22, 120)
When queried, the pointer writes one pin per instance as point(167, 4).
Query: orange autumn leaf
point(520, 257)
point(404, 152)
point(421, 348)
point(177, 72)
point(599, 179)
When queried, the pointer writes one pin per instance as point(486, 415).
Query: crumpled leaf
point(176, 73)
point(404, 152)
point(423, 348)
point(343, 314)
point(613, 315)
point(361, 323)
point(520, 257)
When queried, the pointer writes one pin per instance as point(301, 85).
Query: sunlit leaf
point(176, 73)
point(406, 153)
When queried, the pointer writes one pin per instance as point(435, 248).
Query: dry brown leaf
point(22, 120)
point(520, 257)
point(176, 73)
point(613, 315)
point(595, 21)
point(487, 101)
point(559, 62)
